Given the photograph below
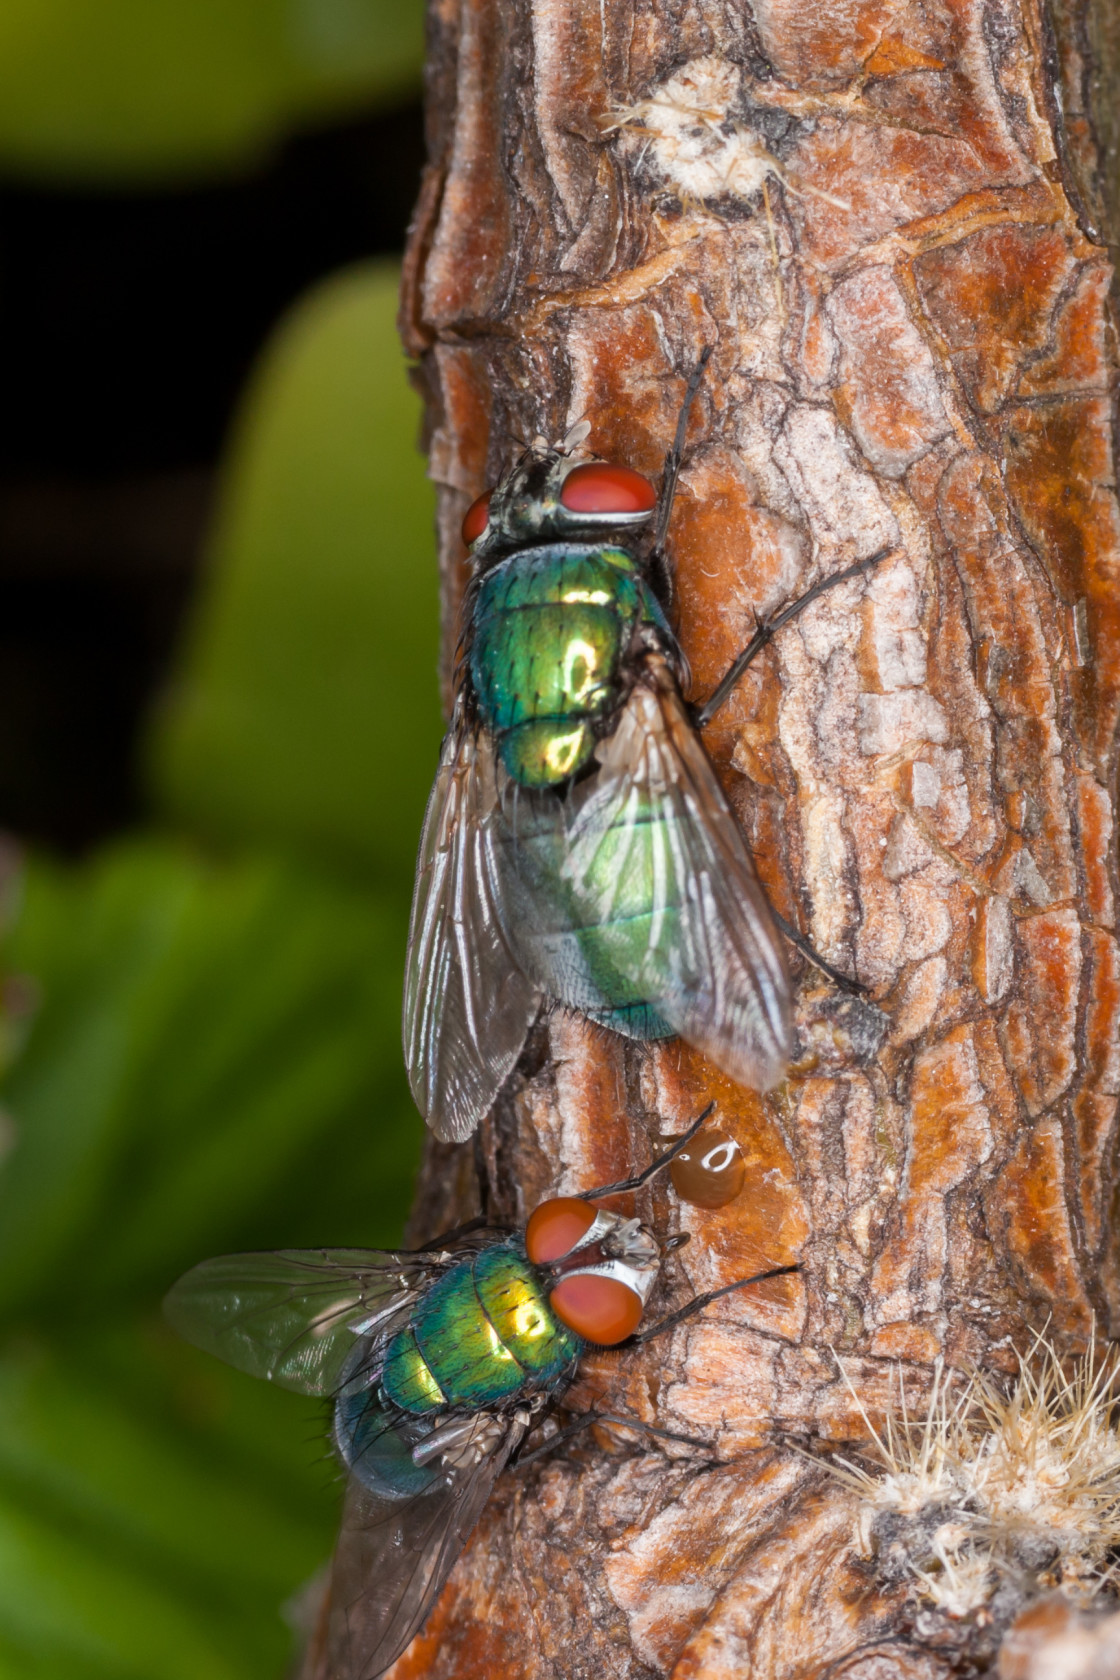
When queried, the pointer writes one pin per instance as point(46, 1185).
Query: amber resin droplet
point(709, 1171)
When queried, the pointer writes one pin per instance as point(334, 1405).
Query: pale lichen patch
point(688, 129)
point(845, 509)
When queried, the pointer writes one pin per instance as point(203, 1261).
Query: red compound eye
point(476, 519)
point(600, 1309)
point(556, 1227)
point(599, 487)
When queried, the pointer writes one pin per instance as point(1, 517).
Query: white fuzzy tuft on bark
point(695, 139)
point(692, 137)
point(991, 1484)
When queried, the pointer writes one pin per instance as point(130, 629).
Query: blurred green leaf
point(204, 1045)
point(143, 1531)
point(146, 89)
point(307, 710)
point(212, 1064)
point(206, 1033)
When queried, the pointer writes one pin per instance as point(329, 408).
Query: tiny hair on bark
point(889, 224)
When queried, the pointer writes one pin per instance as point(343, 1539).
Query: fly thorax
point(549, 626)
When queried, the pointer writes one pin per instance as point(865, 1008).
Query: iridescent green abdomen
point(482, 1333)
point(548, 632)
point(593, 965)
point(549, 629)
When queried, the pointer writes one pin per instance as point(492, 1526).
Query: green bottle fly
point(550, 631)
point(438, 1365)
point(579, 848)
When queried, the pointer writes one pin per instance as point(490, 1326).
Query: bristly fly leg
point(673, 459)
point(447, 1238)
point(586, 1419)
point(700, 1302)
point(811, 954)
point(662, 1161)
point(702, 716)
point(769, 629)
point(655, 560)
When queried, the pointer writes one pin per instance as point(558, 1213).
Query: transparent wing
point(394, 1556)
point(294, 1317)
point(544, 921)
point(656, 858)
point(467, 1006)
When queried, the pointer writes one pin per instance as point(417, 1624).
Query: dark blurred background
point(129, 321)
point(218, 722)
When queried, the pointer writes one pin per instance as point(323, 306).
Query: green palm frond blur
point(200, 1042)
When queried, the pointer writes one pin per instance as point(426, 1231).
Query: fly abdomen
point(548, 631)
point(590, 962)
point(377, 1443)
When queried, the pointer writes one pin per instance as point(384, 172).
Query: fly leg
point(699, 1302)
point(586, 1419)
point(811, 954)
point(769, 629)
point(655, 561)
point(448, 1238)
point(723, 690)
point(654, 1167)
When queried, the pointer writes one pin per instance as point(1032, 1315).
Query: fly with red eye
point(438, 1365)
point(578, 848)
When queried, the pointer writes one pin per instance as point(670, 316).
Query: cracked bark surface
point(924, 763)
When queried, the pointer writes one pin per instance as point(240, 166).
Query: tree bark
point(909, 304)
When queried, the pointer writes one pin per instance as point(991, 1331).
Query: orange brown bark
point(913, 347)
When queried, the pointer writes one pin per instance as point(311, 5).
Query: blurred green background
point(199, 1035)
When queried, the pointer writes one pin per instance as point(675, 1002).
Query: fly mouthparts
point(579, 1258)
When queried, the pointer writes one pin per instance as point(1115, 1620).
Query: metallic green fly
point(578, 846)
point(438, 1363)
